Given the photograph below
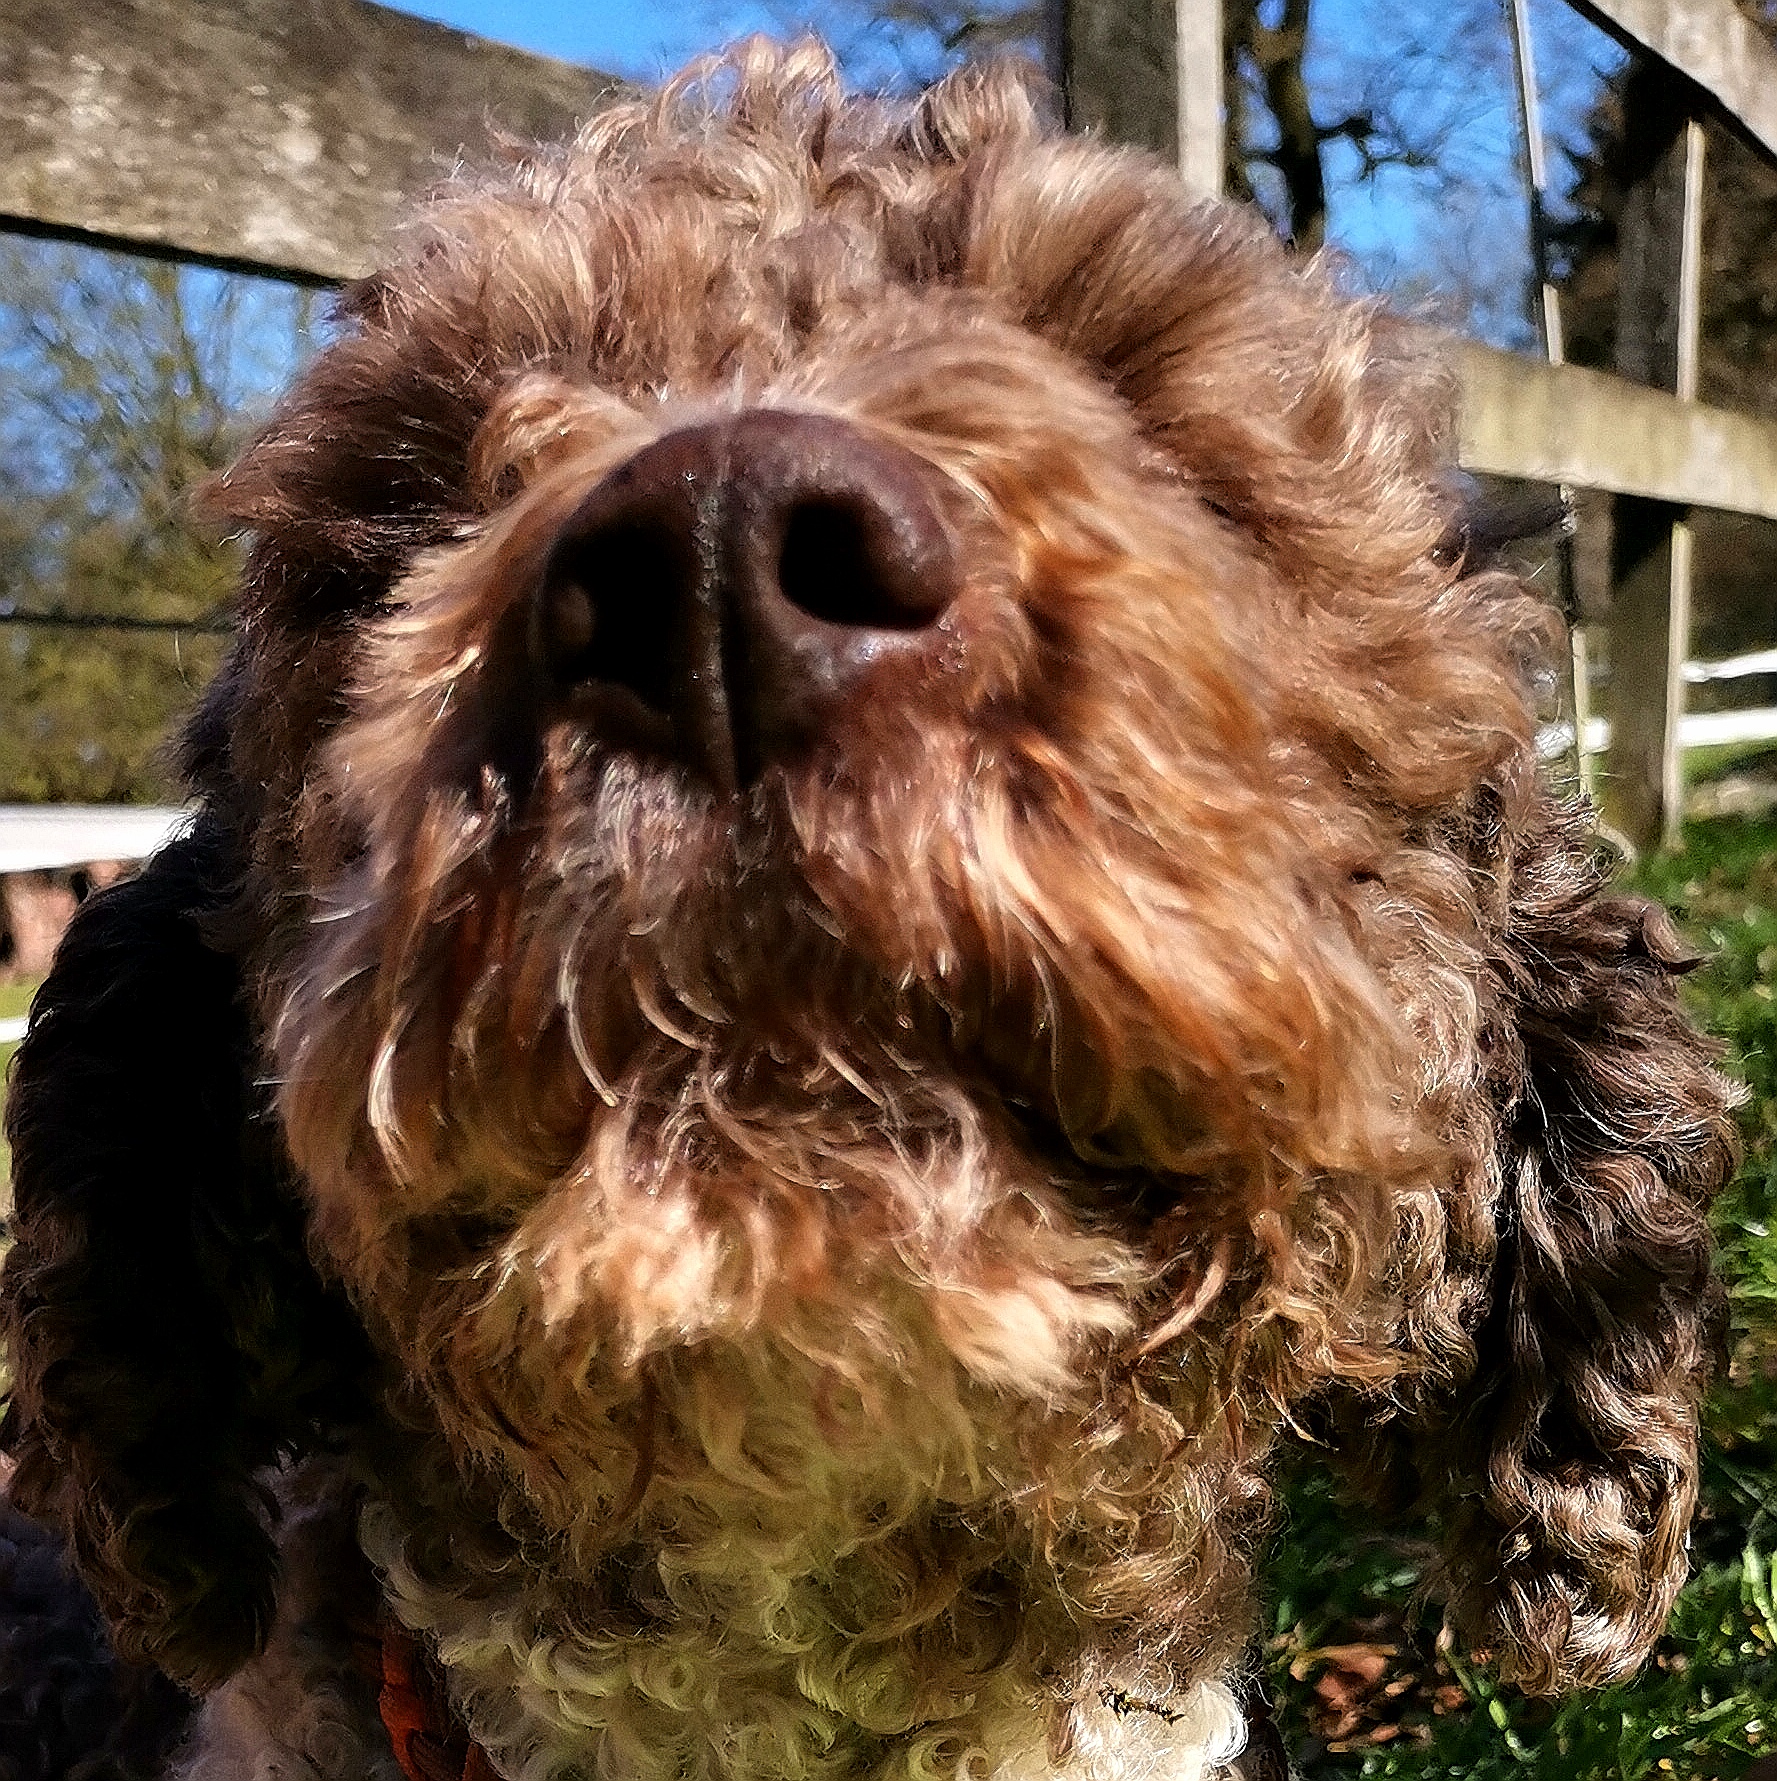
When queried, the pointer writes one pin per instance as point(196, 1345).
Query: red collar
point(425, 1734)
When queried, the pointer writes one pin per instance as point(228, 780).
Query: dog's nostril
point(731, 590)
point(842, 561)
point(568, 623)
point(607, 606)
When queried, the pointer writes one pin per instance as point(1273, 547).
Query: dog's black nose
point(736, 584)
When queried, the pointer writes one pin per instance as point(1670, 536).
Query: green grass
point(1362, 1681)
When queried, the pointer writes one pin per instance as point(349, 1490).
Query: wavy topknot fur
point(871, 897)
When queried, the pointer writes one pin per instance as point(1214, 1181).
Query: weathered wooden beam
point(1650, 630)
point(1118, 70)
point(1710, 42)
point(1659, 314)
point(262, 135)
point(1561, 423)
point(281, 135)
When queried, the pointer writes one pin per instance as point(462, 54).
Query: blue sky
point(1451, 239)
point(638, 40)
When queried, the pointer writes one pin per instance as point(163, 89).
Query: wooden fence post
point(1147, 72)
point(1659, 284)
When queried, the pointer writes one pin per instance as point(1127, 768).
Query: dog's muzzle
point(728, 592)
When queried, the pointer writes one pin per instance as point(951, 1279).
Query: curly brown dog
point(872, 895)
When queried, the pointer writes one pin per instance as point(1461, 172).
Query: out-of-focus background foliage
point(123, 383)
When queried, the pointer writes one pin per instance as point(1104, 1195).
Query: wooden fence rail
point(274, 136)
point(279, 136)
point(1710, 43)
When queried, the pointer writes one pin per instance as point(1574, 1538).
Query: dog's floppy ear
point(1568, 1534)
point(167, 1334)
point(1564, 1467)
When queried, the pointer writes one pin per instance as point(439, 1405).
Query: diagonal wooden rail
point(276, 136)
point(1713, 45)
point(1565, 424)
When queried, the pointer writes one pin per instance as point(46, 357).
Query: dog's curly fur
point(809, 1278)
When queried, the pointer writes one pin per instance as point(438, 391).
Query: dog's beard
point(809, 1335)
point(756, 1273)
point(987, 1117)
point(646, 1096)
point(633, 1070)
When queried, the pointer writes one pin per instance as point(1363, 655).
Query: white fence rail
point(59, 837)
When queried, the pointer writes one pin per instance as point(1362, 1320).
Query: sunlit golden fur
point(845, 1254)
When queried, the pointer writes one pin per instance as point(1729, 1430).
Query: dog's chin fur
point(828, 1576)
point(841, 1256)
